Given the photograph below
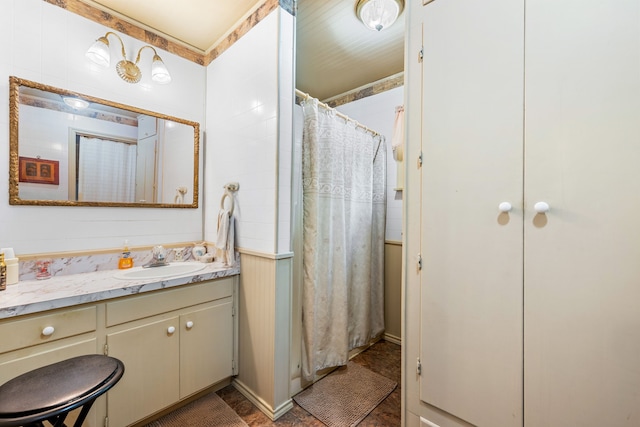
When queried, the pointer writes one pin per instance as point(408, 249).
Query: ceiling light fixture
point(379, 14)
point(127, 70)
point(75, 103)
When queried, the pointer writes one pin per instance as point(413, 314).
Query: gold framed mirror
point(71, 149)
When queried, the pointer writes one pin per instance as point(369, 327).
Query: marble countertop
point(33, 296)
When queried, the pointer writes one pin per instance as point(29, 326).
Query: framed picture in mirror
point(39, 171)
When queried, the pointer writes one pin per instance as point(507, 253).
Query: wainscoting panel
point(264, 332)
point(393, 291)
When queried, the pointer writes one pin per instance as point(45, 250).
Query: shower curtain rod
point(306, 96)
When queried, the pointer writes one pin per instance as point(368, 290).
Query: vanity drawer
point(31, 331)
point(163, 301)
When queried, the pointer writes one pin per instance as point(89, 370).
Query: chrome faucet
point(157, 258)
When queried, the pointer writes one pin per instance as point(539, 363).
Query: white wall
point(248, 140)
point(242, 135)
point(378, 112)
point(46, 44)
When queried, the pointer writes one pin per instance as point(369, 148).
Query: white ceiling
point(335, 52)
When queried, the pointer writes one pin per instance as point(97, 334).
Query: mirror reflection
point(71, 149)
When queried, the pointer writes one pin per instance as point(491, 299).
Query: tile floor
point(383, 358)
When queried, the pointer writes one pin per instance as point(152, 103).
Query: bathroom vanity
point(175, 336)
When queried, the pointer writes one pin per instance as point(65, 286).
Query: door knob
point(49, 330)
point(189, 324)
point(504, 207)
point(171, 329)
point(541, 207)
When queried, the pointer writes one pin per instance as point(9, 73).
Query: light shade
point(159, 72)
point(99, 52)
point(75, 103)
point(379, 14)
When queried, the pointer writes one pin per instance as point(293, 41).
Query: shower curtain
point(344, 169)
point(106, 170)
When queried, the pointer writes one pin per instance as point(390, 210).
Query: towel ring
point(230, 196)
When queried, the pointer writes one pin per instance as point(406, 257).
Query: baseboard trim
point(393, 339)
point(283, 409)
point(263, 406)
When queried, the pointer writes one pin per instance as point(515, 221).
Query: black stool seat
point(51, 392)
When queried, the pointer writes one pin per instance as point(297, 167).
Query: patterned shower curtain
point(343, 181)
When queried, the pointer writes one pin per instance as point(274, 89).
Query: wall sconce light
point(127, 70)
point(379, 14)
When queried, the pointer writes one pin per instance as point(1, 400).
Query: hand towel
point(223, 229)
point(225, 238)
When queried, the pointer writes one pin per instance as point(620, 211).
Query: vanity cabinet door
point(15, 363)
point(32, 341)
point(151, 355)
point(206, 347)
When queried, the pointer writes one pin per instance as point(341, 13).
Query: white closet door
point(471, 285)
point(582, 258)
point(146, 170)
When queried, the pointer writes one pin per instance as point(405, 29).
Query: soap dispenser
point(125, 260)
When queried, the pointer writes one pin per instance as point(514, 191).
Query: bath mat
point(346, 396)
point(210, 410)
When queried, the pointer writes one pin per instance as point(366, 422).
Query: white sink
point(171, 270)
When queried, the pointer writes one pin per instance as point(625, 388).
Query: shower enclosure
point(339, 208)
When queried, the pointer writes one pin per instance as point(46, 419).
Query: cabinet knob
point(541, 207)
point(171, 329)
point(504, 207)
point(189, 324)
point(49, 330)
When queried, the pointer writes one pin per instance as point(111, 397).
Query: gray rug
point(208, 411)
point(346, 396)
